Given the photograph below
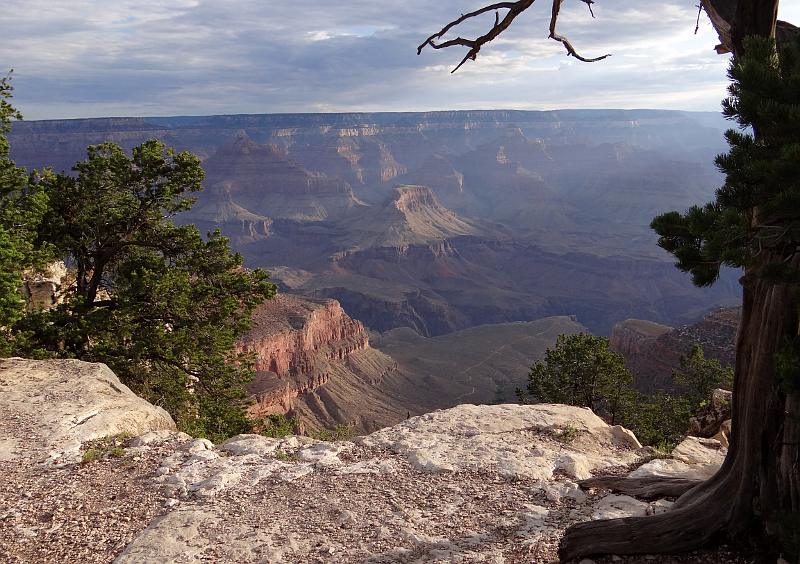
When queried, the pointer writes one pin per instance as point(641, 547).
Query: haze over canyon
point(446, 220)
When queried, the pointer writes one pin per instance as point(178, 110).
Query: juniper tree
point(753, 223)
point(581, 370)
point(156, 301)
point(21, 210)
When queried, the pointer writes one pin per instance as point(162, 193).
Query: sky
point(95, 58)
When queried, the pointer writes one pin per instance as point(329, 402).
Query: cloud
point(91, 58)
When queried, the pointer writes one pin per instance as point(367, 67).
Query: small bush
point(275, 426)
point(566, 433)
point(338, 433)
point(105, 447)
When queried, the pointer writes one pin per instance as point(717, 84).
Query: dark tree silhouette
point(756, 493)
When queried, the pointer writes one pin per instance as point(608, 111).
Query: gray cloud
point(93, 58)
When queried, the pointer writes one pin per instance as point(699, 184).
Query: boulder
point(709, 419)
point(517, 440)
point(694, 459)
point(57, 405)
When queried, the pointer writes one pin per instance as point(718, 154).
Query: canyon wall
point(652, 351)
point(315, 362)
point(441, 221)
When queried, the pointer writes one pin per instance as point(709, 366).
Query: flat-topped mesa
point(409, 199)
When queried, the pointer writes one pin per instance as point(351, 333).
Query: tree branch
point(563, 40)
point(500, 25)
point(648, 488)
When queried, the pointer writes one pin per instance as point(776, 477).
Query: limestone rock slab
point(63, 403)
point(518, 441)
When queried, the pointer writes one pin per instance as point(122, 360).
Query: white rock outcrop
point(471, 483)
point(467, 484)
point(53, 406)
point(531, 441)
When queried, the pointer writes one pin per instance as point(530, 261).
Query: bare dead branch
point(563, 40)
point(699, 12)
point(500, 25)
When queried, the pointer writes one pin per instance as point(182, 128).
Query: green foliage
point(275, 426)
point(105, 447)
point(660, 419)
point(157, 302)
point(566, 433)
point(758, 207)
point(698, 376)
point(21, 209)
point(338, 433)
point(581, 370)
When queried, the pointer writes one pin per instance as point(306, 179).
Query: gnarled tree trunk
point(756, 492)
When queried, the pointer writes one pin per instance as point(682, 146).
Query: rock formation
point(652, 351)
point(523, 215)
point(61, 404)
point(411, 215)
point(472, 483)
point(314, 361)
point(713, 419)
point(46, 288)
point(264, 181)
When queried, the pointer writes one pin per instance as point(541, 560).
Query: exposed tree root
point(684, 528)
point(647, 488)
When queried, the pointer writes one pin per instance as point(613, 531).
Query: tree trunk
point(756, 493)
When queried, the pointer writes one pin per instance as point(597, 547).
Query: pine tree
point(21, 209)
point(754, 223)
point(160, 304)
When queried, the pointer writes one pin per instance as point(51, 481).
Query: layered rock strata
point(314, 361)
point(653, 351)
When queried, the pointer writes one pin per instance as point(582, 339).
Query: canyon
point(315, 363)
point(442, 221)
point(653, 351)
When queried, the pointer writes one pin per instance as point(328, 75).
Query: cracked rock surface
point(468, 484)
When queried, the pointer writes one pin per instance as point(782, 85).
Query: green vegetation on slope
point(159, 303)
point(22, 206)
point(581, 370)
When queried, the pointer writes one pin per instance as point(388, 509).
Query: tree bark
point(646, 488)
point(756, 493)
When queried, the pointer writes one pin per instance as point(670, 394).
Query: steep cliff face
point(263, 180)
point(652, 351)
point(309, 354)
